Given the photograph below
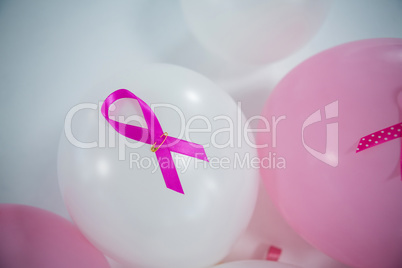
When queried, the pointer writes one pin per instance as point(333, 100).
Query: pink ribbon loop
point(381, 136)
point(155, 136)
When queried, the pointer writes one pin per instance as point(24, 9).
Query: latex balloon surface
point(347, 204)
point(114, 189)
point(256, 31)
point(255, 264)
point(32, 237)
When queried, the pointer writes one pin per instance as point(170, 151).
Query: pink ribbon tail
point(381, 136)
point(273, 253)
point(155, 136)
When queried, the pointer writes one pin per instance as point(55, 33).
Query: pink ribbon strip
point(273, 253)
point(381, 136)
point(155, 136)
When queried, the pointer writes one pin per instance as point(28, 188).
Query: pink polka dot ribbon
point(161, 143)
point(379, 137)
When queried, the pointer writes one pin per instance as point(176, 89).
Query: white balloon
point(254, 264)
point(254, 31)
point(124, 207)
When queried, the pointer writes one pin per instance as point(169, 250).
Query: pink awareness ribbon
point(162, 144)
point(381, 136)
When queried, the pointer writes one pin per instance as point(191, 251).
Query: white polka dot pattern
point(381, 136)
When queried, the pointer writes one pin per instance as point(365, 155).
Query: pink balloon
point(347, 204)
point(34, 238)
